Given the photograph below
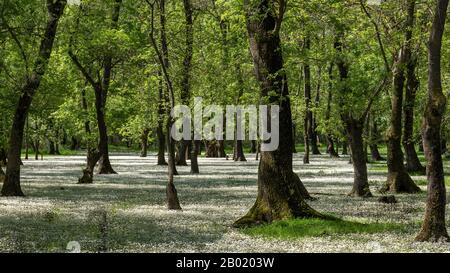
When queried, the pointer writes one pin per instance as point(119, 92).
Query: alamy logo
point(263, 123)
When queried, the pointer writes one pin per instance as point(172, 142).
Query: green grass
point(298, 228)
point(424, 182)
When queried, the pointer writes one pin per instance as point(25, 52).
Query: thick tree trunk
point(433, 227)
point(398, 180)
point(281, 194)
point(11, 184)
point(93, 156)
point(354, 130)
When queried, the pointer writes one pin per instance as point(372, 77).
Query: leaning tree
point(28, 89)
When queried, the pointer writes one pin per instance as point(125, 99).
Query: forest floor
point(127, 213)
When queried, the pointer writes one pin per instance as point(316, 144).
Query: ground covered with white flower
point(127, 213)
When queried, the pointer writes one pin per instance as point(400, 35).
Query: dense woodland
point(353, 79)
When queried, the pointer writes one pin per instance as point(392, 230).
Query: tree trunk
point(144, 142)
point(374, 139)
point(314, 136)
point(186, 80)
point(159, 129)
point(307, 123)
point(93, 156)
point(253, 147)
point(433, 227)
point(27, 138)
point(194, 156)
point(330, 141)
point(11, 185)
point(412, 160)
point(354, 130)
point(104, 165)
point(398, 180)
point(51, 148)
point(281, 194)
point(239, 151)
point(345, 147)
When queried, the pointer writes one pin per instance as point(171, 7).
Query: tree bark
point(194, 156)
point(433, 227)
point(253, 147)
point(281, 194)
point(144, 142)
point(398, 180)
point(160, 128)
point(11, 184)
point(374, 139)
point(354, 130)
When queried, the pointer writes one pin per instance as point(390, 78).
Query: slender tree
point(171, 193)
point(412, 84)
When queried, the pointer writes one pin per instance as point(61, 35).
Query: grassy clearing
point(298, 228)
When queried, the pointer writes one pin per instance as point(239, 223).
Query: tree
point(171, 193)
point(101, 87)
point(433, 227)
point(412, 84)
point(398, 179)
point(281, 194)
point(55, 9)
